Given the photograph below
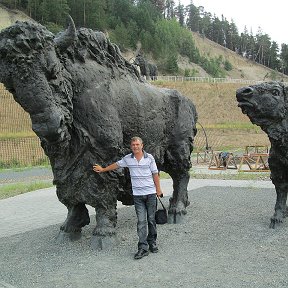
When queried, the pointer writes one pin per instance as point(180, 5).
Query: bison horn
point(67, 38)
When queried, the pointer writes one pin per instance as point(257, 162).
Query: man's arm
point(156, 179)
point(97, 168)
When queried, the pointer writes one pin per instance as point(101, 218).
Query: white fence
point(207, 80)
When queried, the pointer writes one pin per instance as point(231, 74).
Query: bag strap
point(161, 202)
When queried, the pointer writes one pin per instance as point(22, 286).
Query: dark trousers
point(145, 207)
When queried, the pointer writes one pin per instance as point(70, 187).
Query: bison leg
point(104, 234)
point(280, 206)
point(77, 218)
point(179, 200)
point(177, 165)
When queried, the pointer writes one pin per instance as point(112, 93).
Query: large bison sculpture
point(86, 102)
point(149, 70)
point(266, 105)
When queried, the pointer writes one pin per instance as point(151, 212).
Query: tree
point(160, 6)
point(96, 14)
point(244, 42)
point(171, 64)
point(120, 37)
point(193, 19)
point(284, 58)
point(33, 8)
point(205, 24)
point(146, 17)
point(180, 14)
point(233, 39)
point(170, 12)
point(263, 44)
point(56, 10)
point(133, 33)
point(273, 59)
point(146, 39)
point(167, 36)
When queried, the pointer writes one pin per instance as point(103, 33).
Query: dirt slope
point(242, 67)
point(8, 17)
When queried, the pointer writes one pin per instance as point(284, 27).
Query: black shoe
point(141, 253)
point(153, 248)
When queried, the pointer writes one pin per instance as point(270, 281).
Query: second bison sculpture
point(149, 70)
point(266, 105)
point(86, 102)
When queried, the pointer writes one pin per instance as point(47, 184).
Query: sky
point(271, 16)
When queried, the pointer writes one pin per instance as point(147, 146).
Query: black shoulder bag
point(161, 214)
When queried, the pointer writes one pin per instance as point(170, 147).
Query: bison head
point(32, 71)
point(265, 104)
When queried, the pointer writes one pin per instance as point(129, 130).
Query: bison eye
point(275, 92)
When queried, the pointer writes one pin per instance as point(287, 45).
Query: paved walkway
point(45, 173)
point(25, 175)
point(39, 209)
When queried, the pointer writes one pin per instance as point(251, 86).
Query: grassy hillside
point(215, 102)
point(225, 124)
point(242, 67)
point(8, 17)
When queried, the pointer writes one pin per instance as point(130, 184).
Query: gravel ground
point(225, 242)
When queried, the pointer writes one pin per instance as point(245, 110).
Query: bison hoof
point(275, 221)
point(176, 218)
point(176, 214)
point(178, 208)
point(64, 237)
point(99, 242)
point(70, 228)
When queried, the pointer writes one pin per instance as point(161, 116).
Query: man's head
point(136, 145)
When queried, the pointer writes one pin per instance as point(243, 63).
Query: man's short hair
point(136, 138)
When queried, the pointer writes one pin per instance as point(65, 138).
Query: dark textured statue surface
point(266, 105)
point(86, 102)
point(149, 70)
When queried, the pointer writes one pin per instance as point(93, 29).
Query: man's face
point(136, 146)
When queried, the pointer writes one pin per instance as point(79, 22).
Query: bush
point(171, 65)
point(212, 66)
point(190, 72)
point(14, 163)
point(120, 37)
point(227, 65)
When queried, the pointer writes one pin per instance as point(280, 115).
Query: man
point(145, 186)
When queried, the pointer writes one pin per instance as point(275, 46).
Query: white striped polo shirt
point(140, 172)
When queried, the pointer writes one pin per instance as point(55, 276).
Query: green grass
point(14, 164)
point(16, 135)
point(14, 189)
point(237, 176)
point(225, 176)
point(24, 168)
point(232, 125)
